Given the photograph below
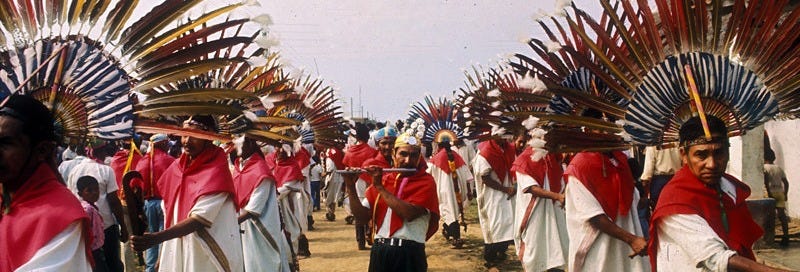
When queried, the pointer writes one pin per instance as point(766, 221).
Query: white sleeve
point(329, 166)
point(464, 173)
point(586, 205)
point(258, 199)
point(365, 203)
point(697, 241)
point(65, 252)
point(524, 181)
point(112, 180)
point(481, 166)
point(649, 162)
point(207, 208)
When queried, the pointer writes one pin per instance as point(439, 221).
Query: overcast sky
point(384, 55)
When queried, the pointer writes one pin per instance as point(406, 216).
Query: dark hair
point(362, 132)
point(206, 121)
point(37, 120)
point(769, 155)
point(85, 181)
point(692, 129)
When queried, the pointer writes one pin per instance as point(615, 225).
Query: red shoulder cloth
point(337, 156)
point(419, 190)
point(187, 181)
point(302, 157)
point(287, 170)
point(152, 167)
point(550, 165)
point(118, 162)
point(377, 160)
point(441, 161)
point(357, 154)
point(611, 185)
point(686, 194)
point(246, 179)
point(499, 158)
point(41, 209)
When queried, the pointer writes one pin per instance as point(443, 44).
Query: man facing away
point(541, 236)
point(152, 167)
point(42, 225)
point(263, 244)
point(402, 205)
point(201, 231)
point(777, 188)
point(333, 181)
point(293, 198)
point(355, 156)
point(701, 222)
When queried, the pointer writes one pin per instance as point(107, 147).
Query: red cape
point(611, 185)
point(287, 170)
point(337, 156)
point(686, 194)
point(303, 158)
point(41, 209)
point(419, 190)
point(158, 161)
point(118, 162)
point(550, 165)
point(187, 181)
point(356, 155)
point(441, 161)
point(500, 159)
point(246, 179)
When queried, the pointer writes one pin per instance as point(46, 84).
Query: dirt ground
point(333, 248)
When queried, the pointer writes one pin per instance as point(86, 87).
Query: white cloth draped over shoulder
point(294, 202)
point(605, 253)
point(544, 242)
point(217, 247)
point(264, 246)
point(495, 210)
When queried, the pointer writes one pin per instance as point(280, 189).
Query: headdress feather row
point(438, 117)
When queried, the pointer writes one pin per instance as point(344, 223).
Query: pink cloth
point(96, 224)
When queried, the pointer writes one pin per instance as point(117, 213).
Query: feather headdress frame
point(438, 117)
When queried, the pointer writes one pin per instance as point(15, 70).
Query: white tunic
point(333, 182)
point(495, 210)
point(217, 247)
point(414, 230)
point(606, 253)
point(294, 201)
point(264, 246)
point(687, 243)
point(545, 237)
point(448, 202)
point(65, 252)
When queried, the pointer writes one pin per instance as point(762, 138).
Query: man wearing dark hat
point(108, 204)
point(201, 231)
point(355, 156)
point(42, 225)
point(701, 221)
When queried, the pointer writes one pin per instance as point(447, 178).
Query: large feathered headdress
point(85, 62)
point(314, 106)
point(655, 67)
point(438, 120)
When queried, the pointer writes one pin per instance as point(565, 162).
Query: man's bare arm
point(637, 244)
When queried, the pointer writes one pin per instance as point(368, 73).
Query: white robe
point(264, 246)
point(545, 236)
point(65, 252)
point(448, 202)
point(687, 243)
point(333, 182)
point(208, 249)
point(294, 202)
point(606, 253)
point(495, 210)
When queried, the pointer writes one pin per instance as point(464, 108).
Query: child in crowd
point(89, 191)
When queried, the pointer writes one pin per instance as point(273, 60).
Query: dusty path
point(333, 248)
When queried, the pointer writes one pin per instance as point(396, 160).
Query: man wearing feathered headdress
point(263, 244)
point(199, 209)
point(495, 192)
point(452, 175)
point(701, 221)
point(355, 156)
point(540, 235)
point(42, 225)
point(403, 206)
point(293, 198)
point(604, 231)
